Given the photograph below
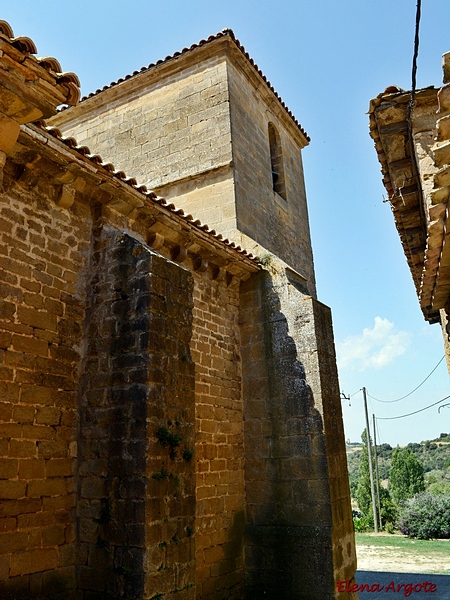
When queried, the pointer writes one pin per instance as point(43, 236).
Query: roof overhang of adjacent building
point(414, 178)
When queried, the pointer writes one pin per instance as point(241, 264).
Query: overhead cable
point(413, 413)
point(414, 390)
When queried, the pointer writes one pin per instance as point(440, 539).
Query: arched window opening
point(276, 161)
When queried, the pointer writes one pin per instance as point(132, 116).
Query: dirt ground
point(390, 558)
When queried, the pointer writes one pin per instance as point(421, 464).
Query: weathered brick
point(23, 413)
point(61, 582)
point(35, 318)
point(35, 394)
point(6, 226)
point(38, 519)
point(53, 449)
point(9, 391)
point(59, 467)
point(6, 411)
point(7, 310)
point(13, 541)
point(11, 430)
point(34, 561)
point(19, 359)
point(35, 300)
point(38, 432)
point(48, 415)
point(66, 555)
point(32, 468)
point(6, 374)
point(8, 468)
point(32, 286)
point(5, 339)
point(59, 503)
point(53, 535)
point(46, 487)
point(4, 567)
point(54, 307)
point(22, 448)
point(30, 345)
point(8, 524)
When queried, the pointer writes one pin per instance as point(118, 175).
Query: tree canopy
point(406, 475)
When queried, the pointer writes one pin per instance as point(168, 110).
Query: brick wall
point(136, 495)
point(219, 439)
point(42, 265)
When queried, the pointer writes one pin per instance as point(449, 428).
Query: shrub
point(425, 517)
point(363, 524)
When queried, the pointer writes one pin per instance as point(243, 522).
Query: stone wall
point(278, 225)
point(195, 131)
point(300, 532)
point(43, 251)
point(167, 428)
point(219, 439)
point(94, 498)
point(136, 493)
point(171, 130)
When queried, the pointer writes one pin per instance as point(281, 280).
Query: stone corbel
point(30, 174)
point(66, 196)
point(179, 254)
point(219, 274)
point(444, 99)
point(200, 264)
point(155, 240)
point(446, 67)
point(9, 132)
point(2, 166)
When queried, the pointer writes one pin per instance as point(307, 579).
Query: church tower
point(205, 130)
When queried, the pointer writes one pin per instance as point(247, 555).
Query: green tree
point(406, 475)
point(363, 493)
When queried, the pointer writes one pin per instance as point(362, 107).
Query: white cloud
point(374, 348)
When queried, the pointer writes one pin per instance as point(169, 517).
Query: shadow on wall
point(288, 537)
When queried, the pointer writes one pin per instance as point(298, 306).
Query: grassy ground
point(398, 549)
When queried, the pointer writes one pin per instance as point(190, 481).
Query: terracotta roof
point(69, 81)
point(97, 159)
point(225, 33)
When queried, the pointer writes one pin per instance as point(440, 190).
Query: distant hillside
point(433, 454)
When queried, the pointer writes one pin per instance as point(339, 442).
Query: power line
point(414, 390)
point(413, 413)
point(416, 53)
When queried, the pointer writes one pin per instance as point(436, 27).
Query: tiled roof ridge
point(26, 46)
point(225, 32)
point(131, 181)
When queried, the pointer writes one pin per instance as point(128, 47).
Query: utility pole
point(376, 469)
point(369, 450)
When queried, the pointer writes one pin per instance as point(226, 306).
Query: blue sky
point(326, 59)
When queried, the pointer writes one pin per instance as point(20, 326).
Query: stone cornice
point(67, 174)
